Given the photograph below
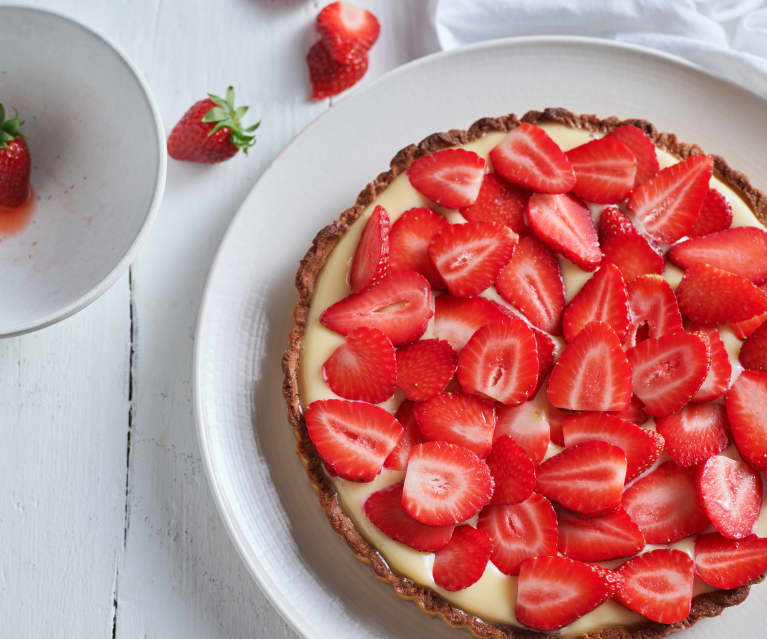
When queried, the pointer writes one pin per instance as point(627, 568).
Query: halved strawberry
point(625, 247)
point(347, 30)
point(653, 303)
point(666, 372)
point(608, 536)
point(592, 373)
point(424, 368)
point(384, 509)
point(587, 478)
point(718, 378)
point(633, 413)
point(694, 433)
point(602, 299)
point(715, 214)
point(554, 591)
point(451, 177)
point(564, 223)
point(729, 563)
point(457, 319)
point(445, 484)
point(499, 201)
point(513, 472)
point(409, 241)
point(458, 418)
point(641, 446)
point(643, 149)
point(745, 328)
point(532, 282)
point(556, 418)
point(753, 353)
point(747, 413)
point(612, 578)
point(353, 438)
point(371, 259)
point(547, 353)
point(731, 494)
point(664, 504)
point(668, 204)
point(605, 169)
point(527, 424)
point(658, 585)
point(464, 559)
point(405, 415)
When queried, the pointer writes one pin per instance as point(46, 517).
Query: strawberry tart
point(528, 378)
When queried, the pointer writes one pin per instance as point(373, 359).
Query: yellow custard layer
point(492, 597)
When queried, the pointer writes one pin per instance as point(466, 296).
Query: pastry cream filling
point(492, 597)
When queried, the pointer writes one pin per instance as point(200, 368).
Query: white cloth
point(725, 37)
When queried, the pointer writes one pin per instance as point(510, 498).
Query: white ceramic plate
point(247, 443)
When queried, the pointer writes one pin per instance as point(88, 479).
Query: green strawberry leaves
point(9, 129)
point(224, 114)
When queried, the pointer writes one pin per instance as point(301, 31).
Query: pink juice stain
point(15, 220)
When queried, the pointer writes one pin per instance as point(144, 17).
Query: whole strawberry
point(211, 132)
point(15, 163)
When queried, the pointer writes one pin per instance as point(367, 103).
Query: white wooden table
point(107, 526)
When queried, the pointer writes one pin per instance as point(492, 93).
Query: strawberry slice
point(499, 201)
point(529, 157)
point(547, 353)
point(371, 259)
point(623, 246)
point(602, 299)
point(695, 433)
point(554, 591)
point(718, 378)
point(715, 214)
point(353, 438)
point(445, 484)
point(653, 303)
point(612, 578)
point(745, 328)
point(500, 362)
point(456, 319)
point(633, 413)
point(405, 415)
point(565, 224)
point(658, 585)
point(463, 560)
point(666, 372)
point(587, 478)
point(753, 353)
point(556, 418)
point(664, 504)
point(519, 531)
point(347, 31)
point(643, 149)
point(608, 536)
point(605, 169)
point(424, 368)
point(527, 424)
point(400, 307)
point(384, 509)
point(668, 204)
point(729, 563)
point(451, 178)
point(747, 413)
point(364, 367)
point(532, 282)
point(409, 241)
point(592, 373)
point(731, 494)
point(513, 472)
point(458, 418)
point(641, 446)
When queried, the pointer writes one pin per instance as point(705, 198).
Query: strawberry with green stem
point(15, 163)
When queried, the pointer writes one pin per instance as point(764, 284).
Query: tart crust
point(708, 604)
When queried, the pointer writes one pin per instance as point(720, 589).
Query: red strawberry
point(715, 214)
point(384, 509)
point(499, 202)
point(623, 246)
point(668, 204)
point(731, 494)
point(604, 170)
point(462, 562)
point(587, 478)
point(747, 413)
point(371, 259)
point(602, 299)
point(612, 578)
point(15, 162)
point(728, 563)
point(460, 419)
point(405, 415)
point(653, 303)
point(400, 307)
point(527, 424)
point(565, 224)
point(609, 536)
point(330, 77)
point(554, 591)
point(666, 372)
point(745, 328)
point(718, 378)
point(695, 433)
point(445, 484)
point(753, 353)
point(658, 585)
point(347, 31)
point(354, 438)
point(424, 368)
point(547, 353)
point(556, 418)
point(469, 256)
point(641, 446)
point(643, 149)
point(664, 504)
point(633, 413)
point(210, 131)
point(592, 373)
point(451, 177)
point(529, 157)
point(456, 319)
point(409, 242)
point(513, 472)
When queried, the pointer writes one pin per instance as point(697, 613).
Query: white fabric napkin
point(725, 37)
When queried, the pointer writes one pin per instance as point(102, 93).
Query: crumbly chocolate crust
point(705, 605)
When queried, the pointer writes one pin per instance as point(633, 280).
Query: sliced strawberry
point(456, 319)
point(451, 178)
point(608, 536)
point(405, 415)
point(729, 563)
point(747, 413)
point(554, 591)
point(499, 201)
point(633, 413)
point(371, 259)
point(643, 149)
point(527, 424)
point(464, 559)
point(513, 472)
point(329, 77)
point(592, 373)
point(565, 224)
point(668, 371)
point(605, 169)
point(556, 419)
point(458, 418)
point(668, 204)
point(347, 30)
point(753, 353)
point(719, 371)
point(409, 241)
point(424, 368)
point(715, 214)
point(612, 578)
point(641, 446)
point(653, 303)
point(445, 484)
point(664, 504)
point(625, 247)
point(353, 438)
point(658, 585)
point(745, 328)
point(695, 433)
point(587, 478)
point(547, 353)
point(384, 509)
point(602, 299)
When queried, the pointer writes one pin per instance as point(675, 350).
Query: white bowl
point(98, 166)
